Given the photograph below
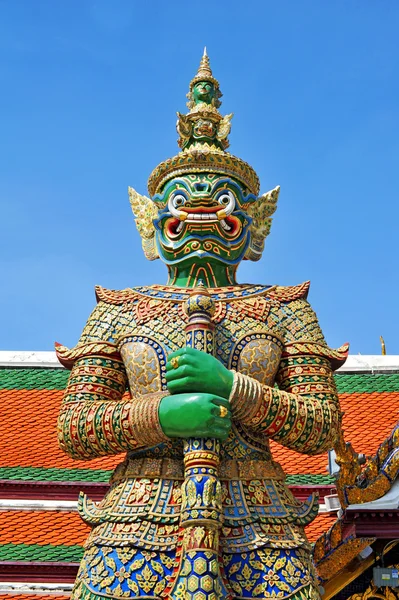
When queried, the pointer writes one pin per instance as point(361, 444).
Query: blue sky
point(89, 95)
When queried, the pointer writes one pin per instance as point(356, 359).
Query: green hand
point(194, 415)
point(197, 372)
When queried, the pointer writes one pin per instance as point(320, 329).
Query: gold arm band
point(245, 398)
point(144, 419)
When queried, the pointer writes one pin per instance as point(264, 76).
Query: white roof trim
point(371, 363)
point(7, 587)
point(356, 363)
point(59, 505)
point(68, 505)
point(46, 360)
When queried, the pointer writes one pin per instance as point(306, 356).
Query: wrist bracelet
point(245, 397)
point(144, 418)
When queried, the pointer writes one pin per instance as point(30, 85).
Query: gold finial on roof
point(383, 349)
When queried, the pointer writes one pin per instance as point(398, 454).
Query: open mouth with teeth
point(203, 219)
point(200, 217)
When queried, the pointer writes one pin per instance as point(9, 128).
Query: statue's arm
point(97, 416)
point(303, 412)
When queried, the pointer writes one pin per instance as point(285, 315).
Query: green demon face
point(202, 216)
point(203, 91)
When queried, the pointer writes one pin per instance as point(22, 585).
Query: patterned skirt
point(264, 573)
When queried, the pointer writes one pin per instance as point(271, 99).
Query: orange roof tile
point(28, 432)
point(54, 596)
point(368, 419)
point(42, 527)
point(294, 463)
point(320, 525)
point(32, 415)
point(66, 528)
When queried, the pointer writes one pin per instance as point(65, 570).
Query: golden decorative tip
point(383, 349)
point(204, 72)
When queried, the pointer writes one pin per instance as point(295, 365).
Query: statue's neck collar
point(211, 273)
point(225, 293)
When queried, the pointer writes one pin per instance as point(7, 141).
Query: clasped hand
point(199, 385)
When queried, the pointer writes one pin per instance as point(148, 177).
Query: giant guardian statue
point(190, 380)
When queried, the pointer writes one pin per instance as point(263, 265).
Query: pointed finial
point(204, 72)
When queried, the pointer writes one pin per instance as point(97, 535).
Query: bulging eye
point(178, 200)
point(226, 198)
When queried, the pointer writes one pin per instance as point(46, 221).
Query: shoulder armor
point(68, 356)
point(117, 297)
point(290, 292)
point(336, 357)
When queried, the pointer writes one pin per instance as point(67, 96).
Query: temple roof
point(31, 397)
point(50, 533)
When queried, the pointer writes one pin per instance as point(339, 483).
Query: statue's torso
point(250, 332)
point(243, 341)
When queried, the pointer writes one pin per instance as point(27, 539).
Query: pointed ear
point(183, 127)
point(261, 212)
point(224, 127)
point(145, 212)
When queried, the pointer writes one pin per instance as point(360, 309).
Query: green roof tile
point(33, 379)
point(310, 479)
point(51, 474)
point(56, 379)
point(102, 476)
point(36, 552)
point(367, 383)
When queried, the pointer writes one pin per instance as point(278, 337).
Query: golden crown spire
point(204, 70)
point(203, 137)
point(204, 73)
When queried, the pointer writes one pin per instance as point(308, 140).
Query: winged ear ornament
point(183, 127)
point(261, 212)
point(145, 212)
point(224, 127)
